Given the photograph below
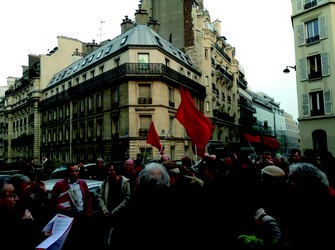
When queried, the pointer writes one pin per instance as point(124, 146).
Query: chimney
point(153, 24)
point(141, 15)
point(217, 26)
point(126, 24)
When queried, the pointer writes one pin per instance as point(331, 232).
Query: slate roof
point(139, 35)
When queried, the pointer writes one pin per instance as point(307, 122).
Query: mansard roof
point(138, 36)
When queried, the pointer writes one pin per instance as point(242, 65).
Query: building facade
point(187, 24)
point(82, 100)
point(313, 25)
point(21, 101)
point(103, 104)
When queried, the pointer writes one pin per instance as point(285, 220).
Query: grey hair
point(308, 175)
point(100, 159)
point(154, 173)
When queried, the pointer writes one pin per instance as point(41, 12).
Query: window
point(67, 133)
point(82, 131)
point(61, 112)
point(115, 125)
point(89, 129)
point(108, 49)
point(147, 152)
point(310, 4)
point(316, 101)
point(315, 66)
point(90, 103)
point(123, 40)
point(144, 96)
point(82, 105)
point(75, 108)
point(143, 60)
point(114, 97)
point(171, 133)
point(99, 129)
point(171, 97)
point(145, 122)
point(60, 134)
point(67, 111)
point(99, 101)
point(99, 54)
point(74, 132)
point(312, 31)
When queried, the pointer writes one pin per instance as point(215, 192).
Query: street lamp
point(287, 70)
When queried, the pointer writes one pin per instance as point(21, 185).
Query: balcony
point(223, 115)
point(310, 4)
point(144, 100)
point(313, 39)
point(128, 70)
point(143, 132)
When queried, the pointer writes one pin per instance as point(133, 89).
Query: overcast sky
point(260, 30)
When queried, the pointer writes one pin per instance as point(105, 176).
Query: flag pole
point(144, 156)
point(166, 134)
point(252, 148)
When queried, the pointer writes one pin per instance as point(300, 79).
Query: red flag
point(153, 138)
point(252, 138)
point(198, 127)
point(271, 142)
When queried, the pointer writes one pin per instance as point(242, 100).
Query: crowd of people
point(229, 201)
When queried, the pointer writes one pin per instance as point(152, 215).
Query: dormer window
point(99, 54)
point(123, 40)
point(108, 49)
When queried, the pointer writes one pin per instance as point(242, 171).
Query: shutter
point(145, 91)
point(305, 105)
point(303, 69)
point(325, 64)
point(300, 34)
point(299, 6)
point(322, 27)
point(145, 121)
point(328, 101)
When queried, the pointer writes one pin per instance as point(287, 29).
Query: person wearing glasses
point(71, 197)
point(14, 230)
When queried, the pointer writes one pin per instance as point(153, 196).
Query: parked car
point(4, 177)
point(60, 172)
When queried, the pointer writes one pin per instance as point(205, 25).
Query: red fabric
point(153, 138)
point(198, 127)
point(271, 142)
point(61, 187)
point(252, 138)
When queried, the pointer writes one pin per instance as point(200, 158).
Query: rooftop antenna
point(100, 30)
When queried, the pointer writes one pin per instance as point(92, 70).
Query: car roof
point(90, 183)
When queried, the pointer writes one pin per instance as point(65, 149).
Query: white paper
point(59, 226)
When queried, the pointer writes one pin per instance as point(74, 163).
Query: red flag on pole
point(252, 138)
point(271, 142)
point(198, 127)
point(153, 138)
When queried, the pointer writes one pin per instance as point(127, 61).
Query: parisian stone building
point(313, 26)
point(83, 100)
